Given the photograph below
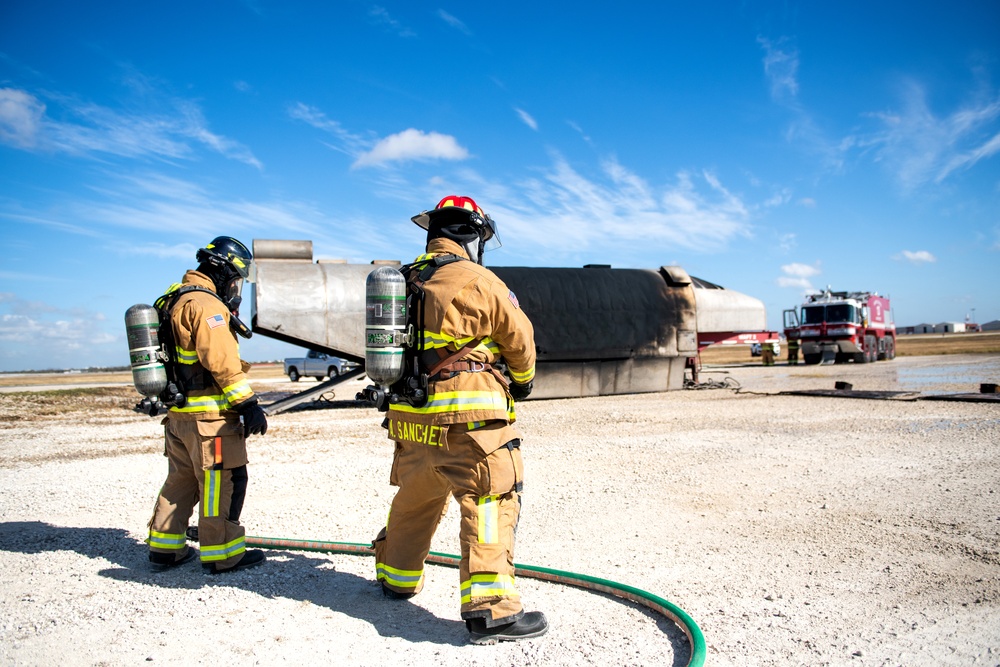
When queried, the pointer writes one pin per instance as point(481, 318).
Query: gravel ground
point(795, 530)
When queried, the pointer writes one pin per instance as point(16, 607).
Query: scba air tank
point(385, 325)
point(142, 329)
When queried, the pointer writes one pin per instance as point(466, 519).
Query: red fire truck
point(834, 327)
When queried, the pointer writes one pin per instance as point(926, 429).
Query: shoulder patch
point(215, 321)
point(513, 298)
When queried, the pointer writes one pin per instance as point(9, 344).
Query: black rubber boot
point(251, 558)
point(532, 624)
point(393, 595)
point(161, 561)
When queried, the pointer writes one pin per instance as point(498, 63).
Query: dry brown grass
point(258, 372)
point(913, 345)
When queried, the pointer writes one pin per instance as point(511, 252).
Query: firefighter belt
point(482, 468)
point(206, 463)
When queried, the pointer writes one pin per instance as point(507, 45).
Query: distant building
point(991, 326)
point(950, 327)
point(917, 329)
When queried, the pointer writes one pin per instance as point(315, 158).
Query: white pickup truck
point(318, 365)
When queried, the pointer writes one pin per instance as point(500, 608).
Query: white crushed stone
point(793, 530)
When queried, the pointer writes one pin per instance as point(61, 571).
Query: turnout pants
point(207, 465)
point(483, 470)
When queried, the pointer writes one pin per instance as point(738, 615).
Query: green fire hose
point(664, 607)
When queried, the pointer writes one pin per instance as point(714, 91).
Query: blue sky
point(770, 147)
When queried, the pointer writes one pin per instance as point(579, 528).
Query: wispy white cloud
point(380, 16)
point(454, 22)
point(21, 117)
point(781, 69)
point(527, 118)
point(970, 157)
point(36, 324)
point(916, 257)
point(149, 205)
point(406, 146)
point(154, 201)
point(174, 134)
point(919, 147)
point(10, 210)
point(787, 242)
point(410, 145)
point(580, 131)
point(781, 65)
point(779, 198)
point(797, 275)
point(347, 142)
point(564, 213)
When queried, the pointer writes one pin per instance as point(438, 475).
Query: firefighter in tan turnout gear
point(461, 441)
point(205, 441)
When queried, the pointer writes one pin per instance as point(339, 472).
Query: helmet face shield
point(492, 241)
point(242, 266)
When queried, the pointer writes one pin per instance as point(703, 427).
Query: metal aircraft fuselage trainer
point(598, 330)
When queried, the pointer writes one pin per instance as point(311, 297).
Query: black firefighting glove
point(254, 419)
point(519, 391)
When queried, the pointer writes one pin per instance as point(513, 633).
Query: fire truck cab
point(833, 327)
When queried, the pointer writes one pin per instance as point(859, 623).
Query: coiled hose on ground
point(664, 607)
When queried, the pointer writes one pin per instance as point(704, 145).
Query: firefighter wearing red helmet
point(462, 441)
point(205, 434)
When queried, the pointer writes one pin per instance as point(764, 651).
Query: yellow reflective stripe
point(398, 578)
point(490, 346)
point(472, 426)
point(458, 401)
point(523, 377)
point(488, 585)
point(237, 390)
point(488, 510)
point(186, 357)
point(435, 339)
point(167, 540)
point(212, 492)
point(204, 404)
point(223, 551)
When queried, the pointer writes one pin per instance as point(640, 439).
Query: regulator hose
point(660, 605)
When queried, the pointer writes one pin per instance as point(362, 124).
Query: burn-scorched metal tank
point(598, 330)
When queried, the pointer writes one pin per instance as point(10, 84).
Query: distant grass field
point(913, 345)
point(258, 372)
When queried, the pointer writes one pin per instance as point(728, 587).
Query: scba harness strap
point(429, 365)
point(183, 378)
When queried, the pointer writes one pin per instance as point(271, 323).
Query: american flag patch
point(513, 298)
point(215, 321)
